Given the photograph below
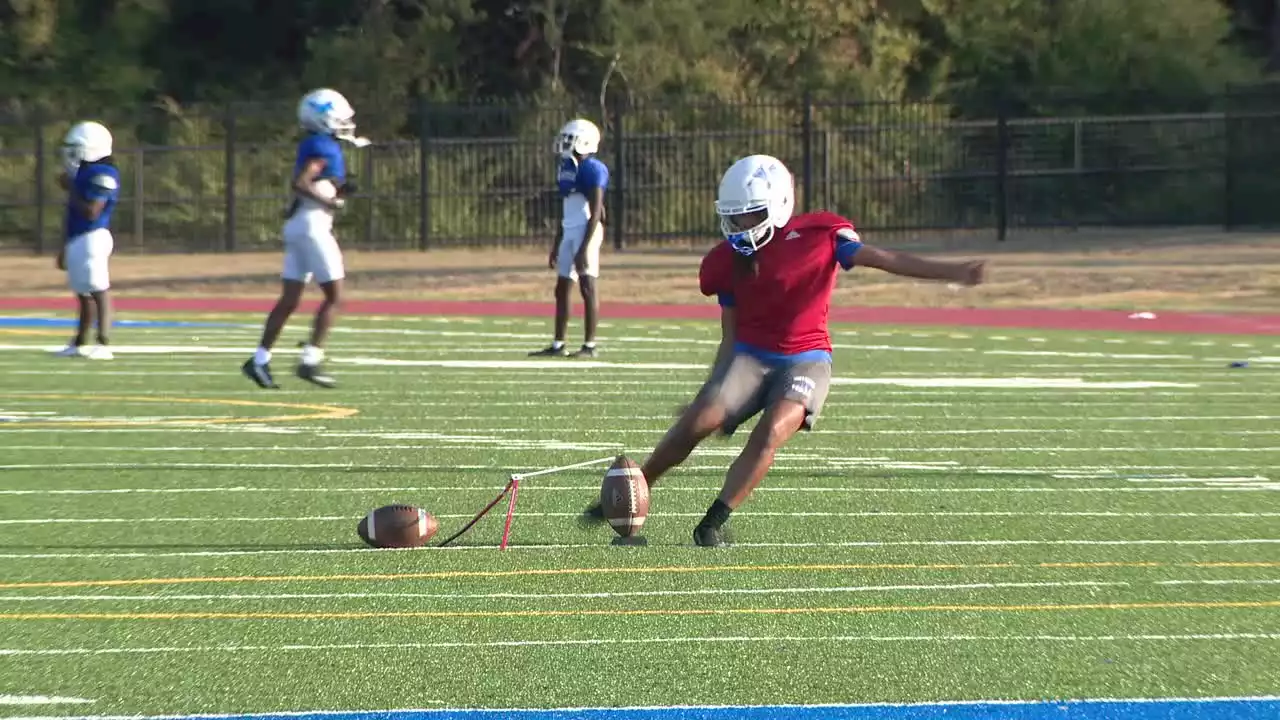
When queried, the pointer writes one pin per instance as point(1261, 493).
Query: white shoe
point(100, 352)
point(72, 351)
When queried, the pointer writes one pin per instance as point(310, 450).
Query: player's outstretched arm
point(967, 272)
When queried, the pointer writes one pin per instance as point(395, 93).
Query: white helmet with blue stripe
point(327, 112)
point(757, 196)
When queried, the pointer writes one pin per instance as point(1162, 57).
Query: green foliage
point(906, 94)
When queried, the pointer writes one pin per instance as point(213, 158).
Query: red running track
point(1104, 320)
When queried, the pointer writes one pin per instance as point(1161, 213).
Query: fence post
point(617, 224)
point(1002, 169)
point(367, 190)
point(1229, 166)
point(229, 181)
point(424, 183)
point(139, 193)
point(806, 142)
point(38, 232)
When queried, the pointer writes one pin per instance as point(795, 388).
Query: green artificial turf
point(175, 540)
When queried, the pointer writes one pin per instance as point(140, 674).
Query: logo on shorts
point(792, 235)
point(803, 386)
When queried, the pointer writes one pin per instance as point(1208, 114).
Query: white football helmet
point(579, 136)
point(328, 112)
point(757, 196)
point(86, 142)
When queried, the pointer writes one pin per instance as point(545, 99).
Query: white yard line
point(370, 489)
point(626, 642)
point(572, 596)
point(599, 545)
point(453, 516)
point(821, 590)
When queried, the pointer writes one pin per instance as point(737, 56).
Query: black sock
point(717, 515)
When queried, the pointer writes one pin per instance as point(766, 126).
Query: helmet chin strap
point(744, 244)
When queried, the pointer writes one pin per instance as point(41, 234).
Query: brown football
point(397, 526)
point(624, 497)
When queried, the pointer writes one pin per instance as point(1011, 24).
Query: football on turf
point(397, 526)
point(624, 497)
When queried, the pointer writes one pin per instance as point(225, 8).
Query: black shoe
point(584, 352)
point(550, 351)
point(707, 536)
point(593, 515)
point(260, 374)
point(313, 374)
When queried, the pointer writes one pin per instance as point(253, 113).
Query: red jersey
point(783, 308)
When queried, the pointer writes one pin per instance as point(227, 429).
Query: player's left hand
point(61, 262)
point(580, 261)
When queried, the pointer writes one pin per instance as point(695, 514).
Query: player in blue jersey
point(575, 254)
point(92, 183)
point(310, 249)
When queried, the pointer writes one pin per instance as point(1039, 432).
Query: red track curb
point(1084, 320)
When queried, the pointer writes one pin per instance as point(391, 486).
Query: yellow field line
point(660, 570)
point(10, 331)
point(624, 613)
point(318, 412)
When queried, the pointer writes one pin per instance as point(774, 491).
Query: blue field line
point(39, 322)
point(1249, 708)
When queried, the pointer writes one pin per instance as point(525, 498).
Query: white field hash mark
point(602, 642)
point(42, 700)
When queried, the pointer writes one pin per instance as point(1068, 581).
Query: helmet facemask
point(72, 157)
point(747, 230)
point(565, 145)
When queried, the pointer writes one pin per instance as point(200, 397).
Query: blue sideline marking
point(1258, 708)
point(71, 322)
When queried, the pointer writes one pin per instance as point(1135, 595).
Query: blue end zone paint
point(1261, 708)
point(36, 322)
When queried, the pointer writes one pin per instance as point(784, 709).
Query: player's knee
point(333, 295)
point(587, 285)
point(779, 426)
point(704, 418)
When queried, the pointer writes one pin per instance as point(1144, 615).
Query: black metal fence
point(201, 180)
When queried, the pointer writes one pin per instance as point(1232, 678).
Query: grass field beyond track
point(979, 515)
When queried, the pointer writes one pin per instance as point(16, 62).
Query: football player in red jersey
point(773, 277)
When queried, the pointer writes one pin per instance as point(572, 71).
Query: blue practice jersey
point(577, 181)
point(94, 181)
point(325, 147)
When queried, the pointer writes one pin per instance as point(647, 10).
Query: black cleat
point(550, 351)
point(584, 352)
point(707, 536)
point(593, 515)
point(313, 374)
point(260, 374)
